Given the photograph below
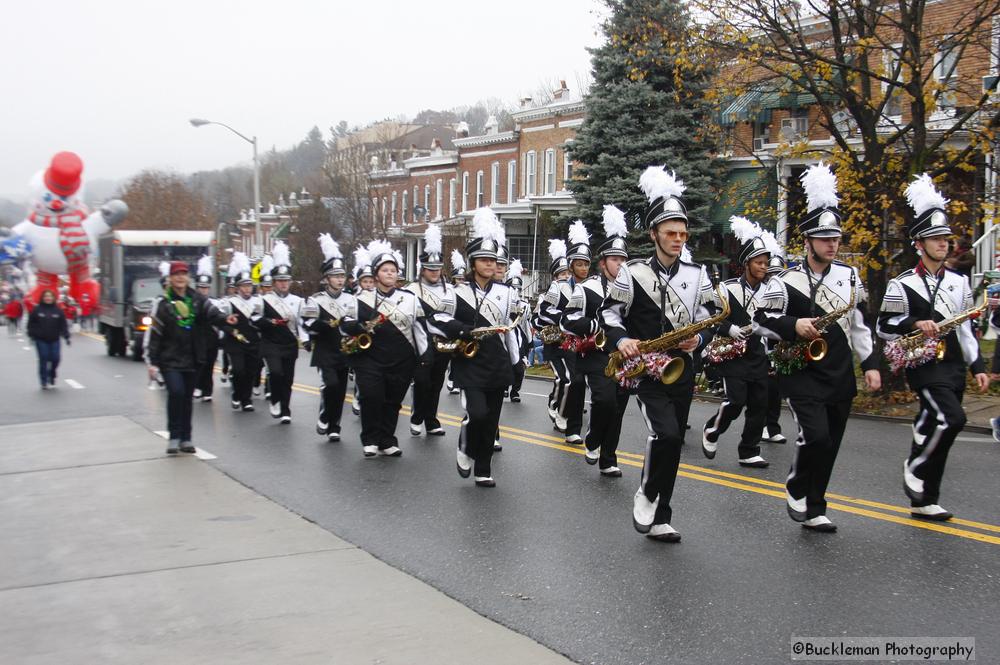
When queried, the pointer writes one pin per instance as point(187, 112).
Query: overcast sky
point(117, 81)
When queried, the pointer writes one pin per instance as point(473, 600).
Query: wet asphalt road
point(551, 551)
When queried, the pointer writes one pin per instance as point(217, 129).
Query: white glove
point(736, 332)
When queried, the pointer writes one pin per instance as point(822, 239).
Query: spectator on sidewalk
point(535, 352)
point(175, 347)
point(46, 325)
point(13, 311)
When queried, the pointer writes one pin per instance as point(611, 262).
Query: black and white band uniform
point(281, 332)
point(917, 300)
point(483, 379)
point(579, 257)
point(648, 298)
point(323, 313)
point(242, 345)
point(772, 427)
point(205, 382)
point(384, 371)
point(435, 295)
point(547, 314)
point(820, 393)
point(744, 376)
point(608, 400)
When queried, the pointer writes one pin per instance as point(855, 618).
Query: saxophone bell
point(673, 371)
point(816, 349)
point(469, 349)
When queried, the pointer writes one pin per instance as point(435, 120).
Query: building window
point(479, 189)
point(392, 215)
point(511, 181)
point(567, 169)
point(521, 247)
point(374, 211)
point(550, 171)
point(384, 202)
point(945, 71)
point(529, 173)
point(465, 191)
point(893, 111)
point(452, 186)
point(406, 207)
point(495, 183)
point(438, 198)
point(416, 202)
point(427, 202)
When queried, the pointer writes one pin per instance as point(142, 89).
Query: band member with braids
point(578, 256)
point(547, 317)
point(323, 313)
point(608, 400)
point(647, 299)
point(487, 307)
point(281, 333)
point(818, 384)
point(738, 352)
point(392, 320)
point(917, 301)
point(772, 428)
point(242, 343)
point(435, 295)
point(458, 269)
point(203, 285)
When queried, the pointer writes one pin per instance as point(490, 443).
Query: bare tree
point(161, 200)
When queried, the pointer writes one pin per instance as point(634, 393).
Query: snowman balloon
point(62, 234)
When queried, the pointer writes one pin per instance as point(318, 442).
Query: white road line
point(74, 384)
point(204, 454)
point(162, 433)
point(26, 348)
point(974, 439)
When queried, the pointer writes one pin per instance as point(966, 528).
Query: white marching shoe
point(591, 456)
point(913, 486)
point(275, 410)
point(416, 430)
point(197, 393)
point(708, 447)
point(391, 451)
point(777, 437)
point(574, 440)
point(560, 423)
point(664, 533)
point(643, 511)
point(464, 464)
point(796, 507)
point(932, 512)
point(820, 523)
point(370, 451)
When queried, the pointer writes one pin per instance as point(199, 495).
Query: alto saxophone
point(916, 348)
point(362, 341)
point(792, 356)
point(653, 359)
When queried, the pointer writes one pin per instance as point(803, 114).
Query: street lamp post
point(257, 238)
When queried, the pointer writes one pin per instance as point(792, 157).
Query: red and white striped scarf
point(73, 238)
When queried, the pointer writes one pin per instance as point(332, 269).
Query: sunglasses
point(679, 235)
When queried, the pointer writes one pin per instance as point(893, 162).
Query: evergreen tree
point(646, 107)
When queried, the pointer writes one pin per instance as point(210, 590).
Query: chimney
point(525, 102)
point(492, 126)
point(436, 147)
point(562, 93)
point(462, 129)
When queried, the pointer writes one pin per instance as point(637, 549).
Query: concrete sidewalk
point(114, 553)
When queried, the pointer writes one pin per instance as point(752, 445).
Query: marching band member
point(483, 304)
point(435, 295)
point(547, 317)
point(647, 299)
point(281, 332)
point(226, 370)
point(608, 400)
point(327, 309)
point(392, 320)
point(795, 306)
point(364, 281)
point(578, 256)
point(772, 427)
point(205, 382)
point(917, 301)
point(457, 278)
point(265, 286)
point(522, 330)
point(738, 352)
point(242, 344)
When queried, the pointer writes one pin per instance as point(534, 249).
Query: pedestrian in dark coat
point(46, 325)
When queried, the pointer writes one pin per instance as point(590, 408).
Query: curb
point(969, 427)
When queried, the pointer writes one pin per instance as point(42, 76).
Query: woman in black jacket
point(175, 348)
point(46, 325)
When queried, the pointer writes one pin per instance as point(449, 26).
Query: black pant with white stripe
point(563, 377)
point(381, 391)
point(821, 429)
point(748, 392)
point(608, 402)
point(245, 367)
point(772, 422)
point(938, 422)
point(427, 382)
point(576, 396)
point(479, 426)
point(333, 390)
point(663, 446)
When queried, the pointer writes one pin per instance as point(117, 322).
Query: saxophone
point(916, 349)
point(792, 356)
point(653, 359)
point(469, 348)
point(362, 341)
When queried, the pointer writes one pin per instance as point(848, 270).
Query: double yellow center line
point(873, 509)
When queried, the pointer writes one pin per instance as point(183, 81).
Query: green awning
point(747, 106)
point(751, 193)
